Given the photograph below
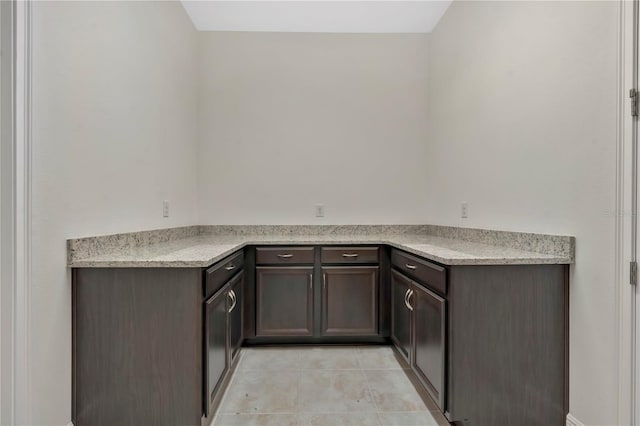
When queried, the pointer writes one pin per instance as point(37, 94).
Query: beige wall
point(289, 120)
point(114, 134)
point(522, 106)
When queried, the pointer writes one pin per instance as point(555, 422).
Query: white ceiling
point(317, 16)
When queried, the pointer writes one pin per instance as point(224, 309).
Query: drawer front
point(349, 254)
point(427, 273)
point(220, 273)
point(284, 255)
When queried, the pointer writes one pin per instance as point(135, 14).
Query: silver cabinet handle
point(410, 266)
point(285, 256)
point(234, 300)
point(407, 295)
point(324, 281)
point(349, 255)
point(311, 281)
point(230, 267)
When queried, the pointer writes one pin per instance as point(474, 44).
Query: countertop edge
point(529, 260)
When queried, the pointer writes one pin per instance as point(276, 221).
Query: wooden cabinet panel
point(216, 346)
point(427, 273)
point(284, 301)
point(400, 314)
point(349, 254)
point(220, 273)
point(429, 318)
point(236, 315)
point(284, 255)
point(137, 346)
point(350, 301)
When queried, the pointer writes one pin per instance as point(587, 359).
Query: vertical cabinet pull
point(324, 281)
point(407, 295)
point(234, 300)
point(311, 281)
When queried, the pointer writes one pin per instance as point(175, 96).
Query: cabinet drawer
point(220, 273)
point(427, 273)
point(284, 255)
point(349, 254)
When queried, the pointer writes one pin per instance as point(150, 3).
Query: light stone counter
point(201, 246)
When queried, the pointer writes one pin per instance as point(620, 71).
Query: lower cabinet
point(215, 360)
point(418, 318)
point(223, 338)
point(350, 301)
point(236, 316)
point(428, 360)
point(284, 301)
point(400, 314)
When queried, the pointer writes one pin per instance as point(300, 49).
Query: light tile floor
point(339, 385)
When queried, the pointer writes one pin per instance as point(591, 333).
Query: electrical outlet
point(464, 210)
point(165, 208)
point(319, 210)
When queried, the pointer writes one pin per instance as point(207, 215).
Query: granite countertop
point(201, 249)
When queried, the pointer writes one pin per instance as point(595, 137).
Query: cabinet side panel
point(507, 344)
point(138, 346)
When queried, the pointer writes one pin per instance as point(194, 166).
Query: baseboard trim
point(572, 421)
point(70, 424)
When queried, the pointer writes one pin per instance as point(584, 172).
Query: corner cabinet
point(418, 318)
point(223, 338)
point(154, 345)
point(488, 343)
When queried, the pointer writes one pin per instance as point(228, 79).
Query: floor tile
point(270, 359)
point(374, 357)
point(256, 420)
point(338, 419)
point(334, 391)
point(421, 418)
point(393, 391)
point(329, 358)
point(256, 392)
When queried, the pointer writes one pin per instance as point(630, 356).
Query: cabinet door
point(429, 340)
point(216, 355)
point(284, 301)
point(350, 301)
point(400, 313)
point(235, 315)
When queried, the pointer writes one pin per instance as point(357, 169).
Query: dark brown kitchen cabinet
point(284, 301)
point(350, 300)
point(222, 338)
point(428, 360)
point(216, 360)
point(236, 315)
point(418, 332)
point(400, 314)
point(137, 346)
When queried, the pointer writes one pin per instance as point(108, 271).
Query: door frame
point(626, 218)
point(15, 213)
